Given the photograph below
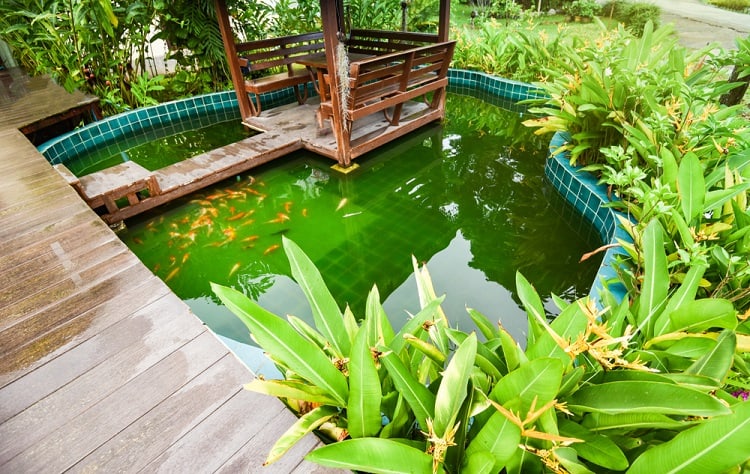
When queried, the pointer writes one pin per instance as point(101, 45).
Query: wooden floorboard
point(102, 367)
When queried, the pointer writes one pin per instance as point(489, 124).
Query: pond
point(466, 197)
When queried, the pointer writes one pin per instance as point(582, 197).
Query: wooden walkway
point(102, 367)
point(285, 129)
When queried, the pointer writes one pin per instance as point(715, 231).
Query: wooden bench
point(379, 83)
point(270, 63)
point(379, 42)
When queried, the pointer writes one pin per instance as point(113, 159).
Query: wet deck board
point(102, 367)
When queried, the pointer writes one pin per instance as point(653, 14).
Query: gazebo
point(357, 74)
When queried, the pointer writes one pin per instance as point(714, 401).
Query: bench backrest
point(274, 53)
point(411, 71)
point(379, 42)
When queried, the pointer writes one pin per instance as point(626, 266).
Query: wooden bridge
point(102, 367)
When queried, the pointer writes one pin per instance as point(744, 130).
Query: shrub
point(737, 5)
point(634, 15)
point(583, 8)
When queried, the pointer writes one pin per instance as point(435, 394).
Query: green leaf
point(419, 398)
point(534, 308)
point(569, 324)
point(699, 315)
point(290, 389)
point(326, 313)
point(655, 276)
point(569, 460)
point(374, 455)
point(481, 462)
point(278, 338)
point(597, 448)
point(692, 187)
point(536, 381)
point(381, 330)
point(453, 386)
point(717, 362)
point(632, 422)
point(304, 425)
point(499, 436)
point(414, 324)
point(714, 446)
point(645, 397)
point(363, 408)
point(717, 198)
point(684, 295)
point(488, 330)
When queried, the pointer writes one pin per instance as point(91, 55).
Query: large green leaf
point(381, 329)
point(499, 436)
point(717, 362)
point(597, 448)
point(684, 295)
point(376, 455)
point(278, 338)
point(363, 409)
point(481, 462)
point(536, 381)
point(326, 313)
point(568, 325)
point(645, 397)
point(414, 324)
point(304, 425)
point(534, 308)
point(714, 446)
point(632, 422)
point(699, 315)
point(655, 276)
point(453, 387)
point(488, 330)
point(692, 187)
point(291, 389)
point(419, 398)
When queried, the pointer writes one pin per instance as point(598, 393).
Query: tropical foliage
point(636, 387)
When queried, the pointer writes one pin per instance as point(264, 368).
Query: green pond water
point(466, 197)
point(164, 145)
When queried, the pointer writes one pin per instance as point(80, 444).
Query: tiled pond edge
point(580, 189)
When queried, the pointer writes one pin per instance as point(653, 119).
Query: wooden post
point(331, 27)
point(444, 21)
point(246, 108)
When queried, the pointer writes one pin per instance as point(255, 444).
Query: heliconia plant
point(636, 386)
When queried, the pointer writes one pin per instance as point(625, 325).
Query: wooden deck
point(102, 367)
point(285, 129)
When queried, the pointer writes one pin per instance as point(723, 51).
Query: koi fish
point(138, 240)
point(253, 191)
point(172, 274)
point(214, 196)
point(234, 269)
point(191, 234)
point(288, 206)
point(175, 235)
point(232, 210)
point(247, 222)
point(172, 260)
point(280, 217)
point(236, 217)
point(270, 249)
point(184, 246)
point(156, 268)
point(342, 203)
point(185, 257)
point(202, 202)
point(230, 233)
point(304, 212)
point(252, 238)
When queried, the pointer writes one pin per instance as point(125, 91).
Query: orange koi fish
point(156, 268)
point(247, 222)
point(214, 196)
point(252, 238)
point(191, 234)
point(172, 260)
point(202, 202)
point(175, 235)
point(304, 212)
point(237, 216)
point(234, 269)
point(272, 248)
point(138, 240)
point(230, 233)
point(288, 206)
point(172, 274)
point(185, 257)
point(252, 191)
point(280, 217)
point(184, 246)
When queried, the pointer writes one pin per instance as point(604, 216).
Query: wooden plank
point(36, 365)
point(61, 449)
point(144, 440)
point(78, 389)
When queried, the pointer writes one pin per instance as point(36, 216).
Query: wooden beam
point(246, 108)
